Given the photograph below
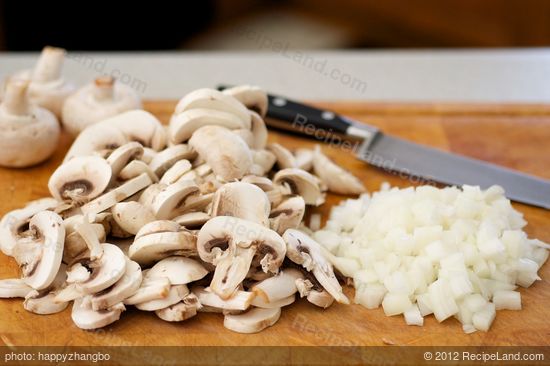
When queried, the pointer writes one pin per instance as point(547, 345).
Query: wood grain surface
point(514, 136)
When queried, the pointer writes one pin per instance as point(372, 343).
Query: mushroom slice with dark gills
point(302, 183)
point(80, 180)
point(303, 250)
point(39, 254)
point(161, 239)
point(88, 277)
point(15, 224)
point(231, 244)
point(43, 301)
point(288, 214)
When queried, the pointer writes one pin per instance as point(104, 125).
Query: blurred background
point(252, 25)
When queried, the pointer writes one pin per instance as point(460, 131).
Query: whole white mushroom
point(103, 98)
point(28, 133)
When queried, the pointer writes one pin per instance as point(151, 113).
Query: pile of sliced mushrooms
point(200, 216)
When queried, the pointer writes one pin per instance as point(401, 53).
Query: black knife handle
point(301, 117)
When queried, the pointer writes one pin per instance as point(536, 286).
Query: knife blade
point(426, 164)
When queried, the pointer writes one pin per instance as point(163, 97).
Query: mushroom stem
point(104, 88)
point(48, 67)
point(231, 270)
point(16, 101)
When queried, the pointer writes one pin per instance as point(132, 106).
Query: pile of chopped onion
point(449, 252)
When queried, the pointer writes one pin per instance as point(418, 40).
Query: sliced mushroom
point(116, 195)
point(89, 234)
point(261, 303)
point(337, 179)
point(148, 155)
point(175, 295)
point(252, 321)
point(14, 225)
point(184, 124)
point(179, 270)
point(243, 200)
point(231, 244)
point(80, 179)
point(125, 287)
point(40, 255)
point(176, 171)
point(264, 183)
point(181, 311)
point(259, 131)
point(197, 203)
point(253, 97)
point(43, 301)
point(169, 202)
point(302, 183)
point(304, 159)
point(152, 245)
point(99, 139)
point(227, 154)
point(288, 214)
point(86, 318)
point(303, 250)
point(165, 159)
point(278, 287)
point(13, 287)
point(321, 298)
point(192, 220)
point(149, 290)
point(106, 272)
point(132, 216)
point(263, 161)
point(240, 300)
point(285, 159)
point(141, 126)
point(121, 156)
point(135, 168)
point(213, 100)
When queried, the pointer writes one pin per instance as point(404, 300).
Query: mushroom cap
point(252, 321)
point(132, 216)
point(86, 318)
point(213, 99)
point(49, 235)
point(168, 203)
point(184, 124)
point(97, 139)
point(141, 126)
point(243, 200)
point(253, 97)
point(83, 108)
point(227, 154)
point(223, 233)
point(301, 183)
point(27, 138)
point(179, 270)
point(80, 179)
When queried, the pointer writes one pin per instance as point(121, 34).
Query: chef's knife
point(418, 162)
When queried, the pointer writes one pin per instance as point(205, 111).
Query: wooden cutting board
point(516, 136)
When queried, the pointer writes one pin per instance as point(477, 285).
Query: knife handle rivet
point(279, 102)
point(326, 115)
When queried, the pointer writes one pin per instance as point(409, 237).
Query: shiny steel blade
point(398, 155)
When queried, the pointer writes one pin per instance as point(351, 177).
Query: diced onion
point(451, 252)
